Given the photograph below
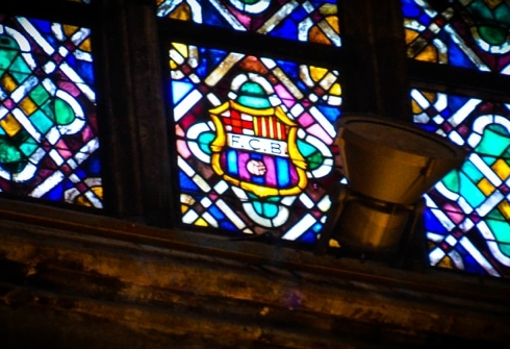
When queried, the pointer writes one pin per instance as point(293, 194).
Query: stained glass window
point(301, 20)
point(48, 130)
point(471, 34)
point(254, 141)
point(468, 211)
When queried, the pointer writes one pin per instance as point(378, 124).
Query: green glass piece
point(472, 171)
point(20, 68)
point(502, 13)
point(251, 2)
point(64, 114)
point(266, 209)
point(470, 191)
point(39, 95)
point(500, 229)
point(495, 215)
point(505, 248)
point(451, 180)
point(495, 141)
point(492, 35)
point(253, 95)
point(493, 25)
point(28, 147)
point(313, 157)
point(9, 49)
point(204, 142)
point(41, 121)
point(11, 159)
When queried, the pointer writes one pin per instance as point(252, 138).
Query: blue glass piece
point(330, 112)
point(286, 30)
point(42, 25)
point(424, 19)
point(429, 128)
point(232, 162)
point(258, 179)
point(211, 16)
point(457, 102)
point(93, 165)
point(179, 90)
point(317, 227)
point(227, 225)
point(471, 265)
point(86, 71)
point(56, 193)
point(216, 212)
point(283, 171)
point(446, 113)
point(308, 237)
point(410, 9)
point(457, 57)
point(187, 185)
point(432, 223)
point(299, 13)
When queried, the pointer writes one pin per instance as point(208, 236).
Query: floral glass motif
point(301, 20)
point(254, 141)
point(471, 34)
point(468, 211)
point(48, 132)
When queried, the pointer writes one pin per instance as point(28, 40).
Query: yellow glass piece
point(328, 10)
point(69, 30)
point(86, 45)
point(446, 262)
point(334, 243)
point(333, 22)
point(502, 169)
point(10, 125)
point(182, 49)
point(492, 4)
point(336, 89)
point(184, 209)
point(82, 199)
point(182, 12)
point(416, 107)
point(486, 187)
point(28, 106)
point(8, 83)
point(317, 35)
point(317, 73)
point(428, 54)
point(504, 208)
point(410, 35)
point(201, 222)
point(429, 96)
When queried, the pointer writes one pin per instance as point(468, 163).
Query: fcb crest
point(257, 149)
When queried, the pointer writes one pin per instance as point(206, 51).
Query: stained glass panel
point(48, 132)
point(254, 141)
point(300, 20)
point(471, 34)
point(467, 216)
